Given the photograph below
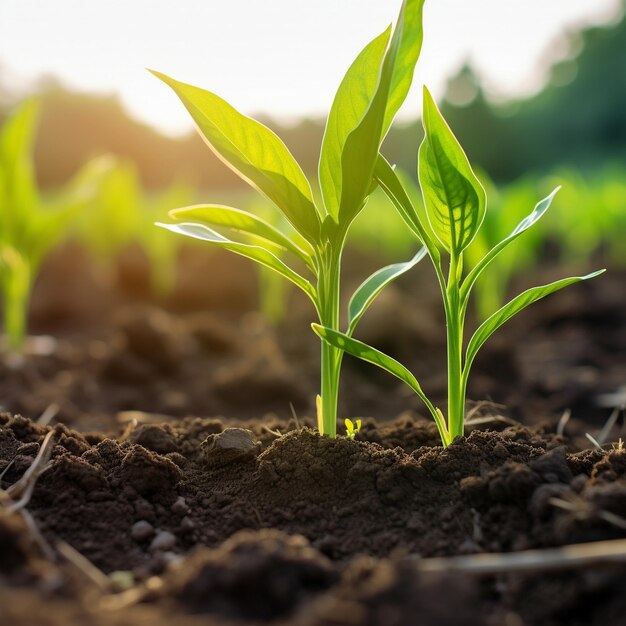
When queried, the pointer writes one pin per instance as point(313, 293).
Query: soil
point(186, 484)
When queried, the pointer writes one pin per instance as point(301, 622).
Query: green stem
point(15, 322)
point(17, 284)
point(454, 332)
point(331, 357)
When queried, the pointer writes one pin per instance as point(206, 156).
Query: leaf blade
point(367, 353)
point(362, 145)
point(252, 252)
point(454, 198)
point(505, 313)
point(540, 208)
point(368, 98)
point(252, 151)
point(371, 355)
point(371, 287)
point(240, 221)
point(410, 46)
point(353, 96)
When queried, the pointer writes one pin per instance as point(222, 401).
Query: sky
point(284, 58)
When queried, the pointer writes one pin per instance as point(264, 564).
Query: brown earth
point(191, 517)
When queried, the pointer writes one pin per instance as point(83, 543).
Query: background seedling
point(122, 214)
point(30, 228)
point(453, 212)
point(366, 102)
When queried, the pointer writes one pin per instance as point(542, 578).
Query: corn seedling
point(160, 248)
point(29, 229)
point(366, 102)
point(453, 212)
point(114, 218)
point(122, 214)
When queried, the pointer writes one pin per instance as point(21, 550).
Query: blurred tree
point(578, 119)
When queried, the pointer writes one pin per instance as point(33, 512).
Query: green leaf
point(363, 143)
point(376, 357)
point(254, 152)
point(410, 36)
point(367, 353)
point(349, 106)
point(454, 198)
point(243, 222)
point(501, 316)
point(372, 286)
point(255, 253)
point(19, 198)
point(366, 102)
point(540, 208)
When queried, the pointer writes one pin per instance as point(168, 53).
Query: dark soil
point(186, 471)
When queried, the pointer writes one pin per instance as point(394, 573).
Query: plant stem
point(331, 357)
point(454, 332)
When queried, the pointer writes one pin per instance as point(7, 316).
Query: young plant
point(29, 228)
point(352, 428)
point(122, 214)
point(366, 102)
point(454, 208)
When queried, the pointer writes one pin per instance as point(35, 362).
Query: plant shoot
point(309, 253)
point(454, 209)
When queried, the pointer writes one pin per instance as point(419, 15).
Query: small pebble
point(232, 444)
point(180, 506)
point(163, 542)
point(141, 530)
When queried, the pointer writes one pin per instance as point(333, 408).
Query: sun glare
point(285, 57)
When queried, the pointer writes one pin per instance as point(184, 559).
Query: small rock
point(180, 506)
point(163, 542)
point(232, 444)
point(141, 530)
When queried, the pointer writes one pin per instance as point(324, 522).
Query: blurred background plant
point(30, 227)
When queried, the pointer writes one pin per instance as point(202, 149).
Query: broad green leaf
point(540, 208)
point(243, 222)
point(454, 198)
point(501, 316)
point(350, 104)
point(367, 100)
point(393, 188)
point(363, 143)
point(255, 253)
point(372, 286)
point(254, 152)
point(376, 357)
